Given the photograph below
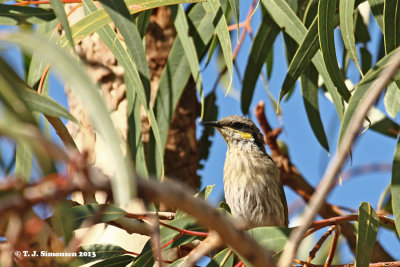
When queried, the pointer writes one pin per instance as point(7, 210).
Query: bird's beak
point(215, 124)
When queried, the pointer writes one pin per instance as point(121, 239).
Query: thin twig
point(318, 245)
point(332, 250)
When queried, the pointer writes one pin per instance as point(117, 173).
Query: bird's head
point(238, 131)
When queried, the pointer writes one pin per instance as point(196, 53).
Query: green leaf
point(269, 61)
point(361, 33)
point(221, 29)
point(135, 132)
point(326, 26)
point(178, 262)
point(392, 100)
point(74, 73)
point(203, 194)
point(45, 105)
point(103, 251)
point(142, 21)
point(366, 59)
point(309, 89)
point(236, 12)
point(368, 224)
point(122, 260)
point(19, 15)
point(272, 238)
point(70, 218)
point(224, 258)
point(301, 59)
point(260, 48)
point(346, 8)
point(166, 234)
point(391, 25)
point(34, 101)
point(182, 29)
point(119, 14)
point(376, 117)
point(311, 13)
point(23, 161)
point(58, 8)
point(131, 72)
point(176, 73)
point(282, 14)
point(210, 114)
point(395, 186)
point(377, 11)
point(96, 20)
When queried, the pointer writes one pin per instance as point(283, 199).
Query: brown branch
point(291, 177)
point(332, 250)
point(317, 200)
point(212, 242)
point(318, 245)
point(179, 197)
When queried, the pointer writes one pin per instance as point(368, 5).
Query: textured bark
point(181, 155)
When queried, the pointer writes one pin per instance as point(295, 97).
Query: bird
point(252, 185)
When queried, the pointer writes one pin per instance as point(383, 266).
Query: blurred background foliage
point(133, 72)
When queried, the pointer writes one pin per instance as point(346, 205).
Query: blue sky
point(304, 150)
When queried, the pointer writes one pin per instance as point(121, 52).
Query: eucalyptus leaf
point(368, 224)
point(395, 186)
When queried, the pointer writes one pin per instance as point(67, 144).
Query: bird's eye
point(237, 125)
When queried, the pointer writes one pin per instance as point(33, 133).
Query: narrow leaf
point(224, 258)
point(96, 20)
point(261, 46)
point(19, 15)
point(221, 29)
point(166, 234)
point(236, 12)
point(45, 105)
point(131, 72)
point(368, 224)
point(301, 59)
point(377, 11)
point(58, 8)
point(119, 13)
point(346, 8)
point(103, 251)
point(135, 132)
point(366, 59)
point(69, 70)
point(391, 25)
point(176, 73)
point(309, 89)
point(282, 14)
point(182, 29)
point(272, 238)
point(122, 260)
point(23, 161)
point(392, 100)
point(363, 87)
point(395, 186)
point(326, 18)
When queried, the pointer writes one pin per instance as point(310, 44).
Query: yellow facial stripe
point(243, 134)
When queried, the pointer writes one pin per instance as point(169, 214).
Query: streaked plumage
point(252, 185)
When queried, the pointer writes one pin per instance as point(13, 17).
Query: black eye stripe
point(239, 126)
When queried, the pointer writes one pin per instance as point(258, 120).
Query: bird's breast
point(251, 184)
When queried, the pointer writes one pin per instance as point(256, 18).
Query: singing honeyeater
point(252, 184)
